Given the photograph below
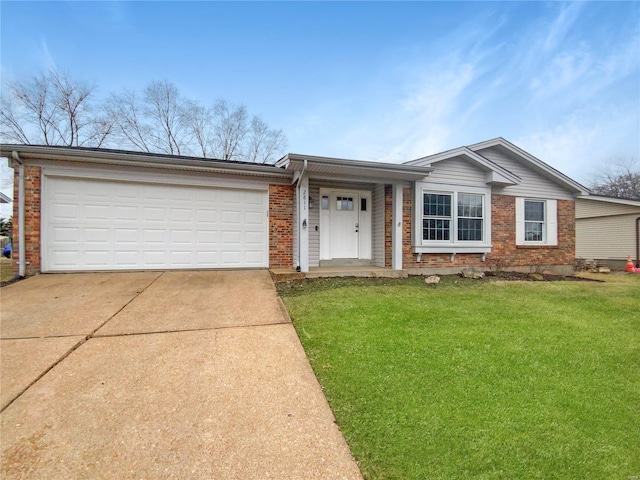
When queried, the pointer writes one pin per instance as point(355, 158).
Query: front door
point(345, 228)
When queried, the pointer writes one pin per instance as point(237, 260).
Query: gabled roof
point(343, 168)
point(534, 163)
point(4, 198)
point(141, 159)
point(496, 175)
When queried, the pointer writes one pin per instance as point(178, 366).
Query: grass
point(486, 380)
point(6, 273)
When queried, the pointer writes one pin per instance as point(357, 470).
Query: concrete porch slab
point(371, 272)
point(283, 275)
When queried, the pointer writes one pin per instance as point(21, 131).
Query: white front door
point(344, 224)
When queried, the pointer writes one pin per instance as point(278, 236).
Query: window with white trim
point(536, 221)
point(436, 221)
point(470, 217)
point(442, 223)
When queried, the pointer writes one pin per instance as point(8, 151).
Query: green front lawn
point(490, 380)
point(6, 272)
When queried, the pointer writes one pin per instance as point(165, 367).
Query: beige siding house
point(606, 229)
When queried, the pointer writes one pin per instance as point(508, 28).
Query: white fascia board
point(621, 201)
point(126, 158)
point(537, 164)
point(356, 168)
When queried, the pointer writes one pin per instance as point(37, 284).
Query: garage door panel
point(66, 258)
point(207, 216)
point(125, 213)
point(154, 214)
point(69, 235)
point(96, 235)
point(65, 211)
point(108, 225)
point(98, 259)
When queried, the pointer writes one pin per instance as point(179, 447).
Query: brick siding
point(281, 226)
point(503, 238)
point(33, 190)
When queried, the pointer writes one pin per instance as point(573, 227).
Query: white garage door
point(110, 225)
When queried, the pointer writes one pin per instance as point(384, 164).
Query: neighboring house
point(606, 229)
point(4, 198)
point(486, 204)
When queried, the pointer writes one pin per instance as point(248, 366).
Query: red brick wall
point(33, 189)
point(503, 238)
point(281, 226)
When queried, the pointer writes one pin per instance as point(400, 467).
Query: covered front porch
point(348, 215)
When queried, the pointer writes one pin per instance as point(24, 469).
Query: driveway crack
point(78, 345)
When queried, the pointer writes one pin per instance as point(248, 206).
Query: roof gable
point(495, 175)
point(531, 162)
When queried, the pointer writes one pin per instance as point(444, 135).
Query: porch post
point(396, 228)
point(303, 223)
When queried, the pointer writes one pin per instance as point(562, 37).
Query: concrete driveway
point(160, 375)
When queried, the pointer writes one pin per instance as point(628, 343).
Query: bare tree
point(199, 120)
point(52, 109)
point(11, 124)
point(230, 129)
point(263, 142)
point(621, 180)
point(127, 115)
point(165, 108)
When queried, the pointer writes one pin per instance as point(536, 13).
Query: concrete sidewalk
point(160, 375)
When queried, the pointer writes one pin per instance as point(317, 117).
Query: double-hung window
point(470, 217)
point(454, 217)
point(536, 221)
point(436, 222)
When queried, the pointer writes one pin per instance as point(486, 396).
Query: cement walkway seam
point(72, 349)
point(226, 392)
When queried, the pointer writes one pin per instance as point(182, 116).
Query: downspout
point(304, 168)
point(21, 207)
point(638, 242)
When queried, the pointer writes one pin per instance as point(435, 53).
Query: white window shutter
point(519, 221)
point(552, 222)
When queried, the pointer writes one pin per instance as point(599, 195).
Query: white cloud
point(48, 61)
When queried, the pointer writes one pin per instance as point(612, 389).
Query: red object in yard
point(630, 266)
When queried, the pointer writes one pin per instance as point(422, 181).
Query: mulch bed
point(534, 277)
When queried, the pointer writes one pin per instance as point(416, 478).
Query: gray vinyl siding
point(377, 225)
point(533, 184)
point(606, 238)
point(457, 171)
point(595, 208)
point(314, 221)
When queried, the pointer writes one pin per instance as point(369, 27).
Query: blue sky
point(367, 80)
